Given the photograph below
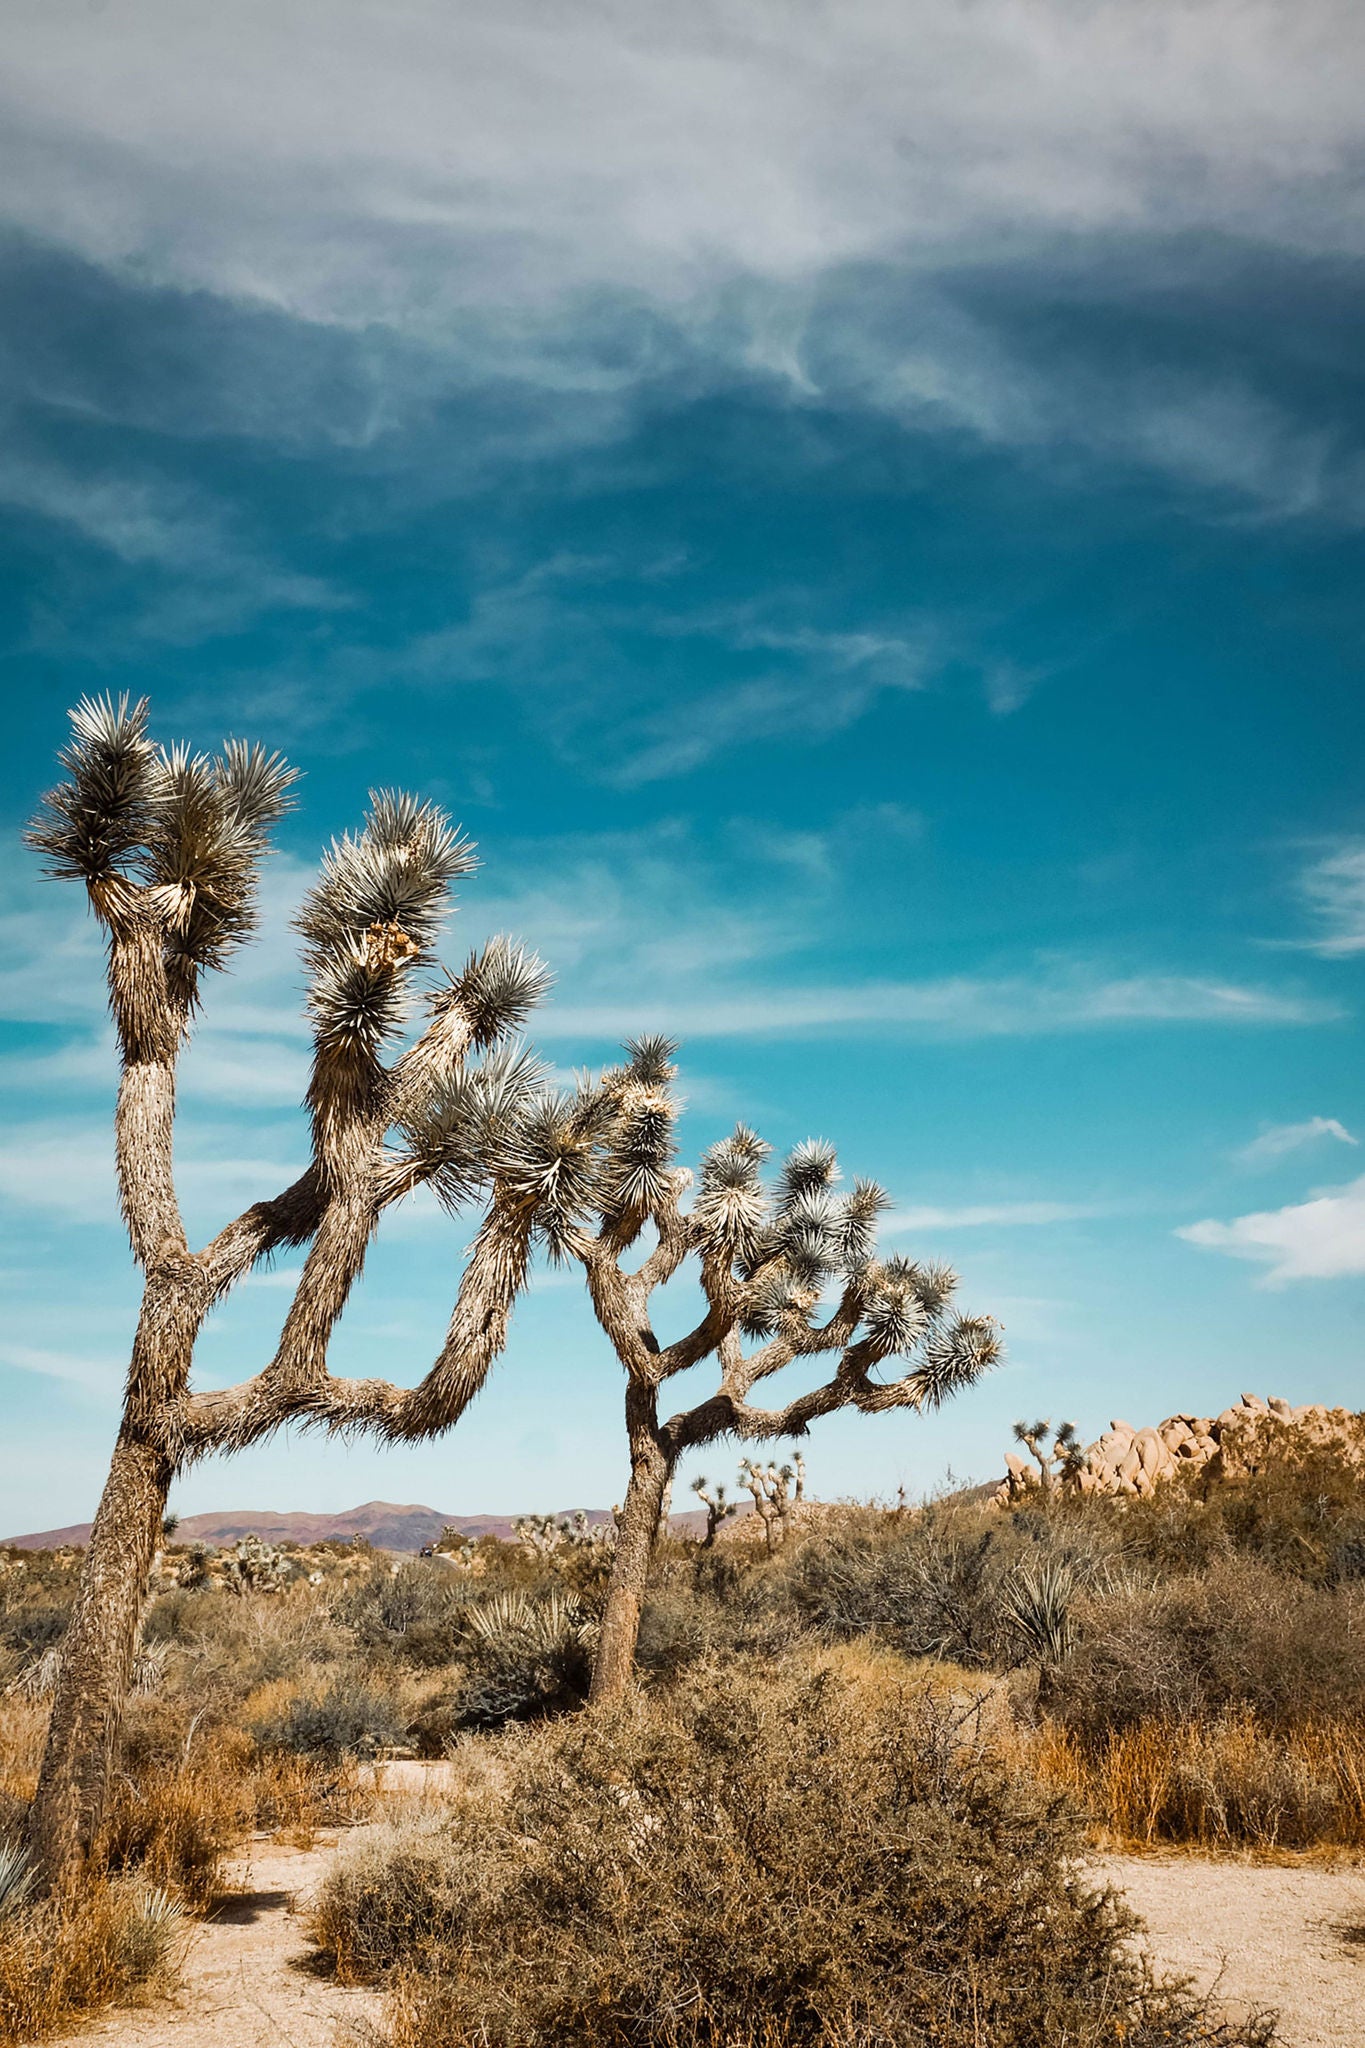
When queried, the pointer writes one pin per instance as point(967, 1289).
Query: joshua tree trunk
point(651, 1470)
point(96, 1660)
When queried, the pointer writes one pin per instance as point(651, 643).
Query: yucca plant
point(416, 1080)
point(16, 1877)
point(1037, 1601)
point(527, 1654)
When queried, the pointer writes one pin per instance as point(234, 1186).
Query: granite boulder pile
point(1133, 1462)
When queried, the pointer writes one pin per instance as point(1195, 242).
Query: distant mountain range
point(382, 1523)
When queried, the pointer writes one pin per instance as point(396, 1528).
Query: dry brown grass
point(1224, 1784)
point(23, 1726)
point(59, 1962)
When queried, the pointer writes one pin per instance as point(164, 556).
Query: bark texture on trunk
point(97, 1660)
point(650, 1472)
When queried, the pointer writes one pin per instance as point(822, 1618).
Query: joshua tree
point(771, 1487)
point(718, 1508)
point(168, 844)
point(600, 1166)
point(1059, 1462)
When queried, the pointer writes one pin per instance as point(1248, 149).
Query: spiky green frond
point(641, 1149)
point(808, 1167)
point(809, 1234)
point(373, 914)
point(857, 1225)
point(556, 1165)
point(650, 1058)
point(956, 1356)
point(499, 987)
point(768, 1300)
point(934, 1283)
point(731, 1206)
point(395, 875)
point(895, 1320)
point(255, 786)
point(465, 1139)
point(90, 825)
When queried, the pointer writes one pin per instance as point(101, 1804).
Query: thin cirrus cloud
point(1281, 1139)
point(1320, 1239)
point(988, 1215)
point(1333, 888)
point(958, 1006)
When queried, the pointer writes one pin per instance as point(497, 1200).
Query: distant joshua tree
point(1058, 1461)
point(599, 1164)
point(776, 1490)
point(168, 844)
point(718, 1508)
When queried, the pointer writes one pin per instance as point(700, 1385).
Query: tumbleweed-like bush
point(780, 1854)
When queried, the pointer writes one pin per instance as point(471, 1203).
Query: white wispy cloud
point(957, 1006)
point(987, 1215)
point(1279, 1139)
point(295, 155)
point(99, 1376)
point(1320, 1239)
point(1333, 887)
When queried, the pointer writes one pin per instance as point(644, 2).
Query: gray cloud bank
point(360, 160)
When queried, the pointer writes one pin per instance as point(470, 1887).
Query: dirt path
point(246, 1981)
point(1259, 1936)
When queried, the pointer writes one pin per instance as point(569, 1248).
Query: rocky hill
point(1128, 1461)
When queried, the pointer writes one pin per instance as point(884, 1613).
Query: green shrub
point(776, 1856)
point(348, 1718)
point(1237, 1636)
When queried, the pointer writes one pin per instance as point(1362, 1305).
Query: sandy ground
point(246, 1981)
point(1259, 1937)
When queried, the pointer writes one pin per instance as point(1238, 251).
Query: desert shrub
point(927, 1587)
point(115, 1942)
point(1223, 1784)
point(777, 1855)
point(349, 1717)
point(416, 1612)
point(1239, 1636)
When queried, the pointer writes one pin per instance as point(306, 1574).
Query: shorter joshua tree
point(599, 1167)
point(776, 1490)
point(1059, 1461)
point(718, 1508)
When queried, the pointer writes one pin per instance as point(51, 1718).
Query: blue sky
point(858, 511)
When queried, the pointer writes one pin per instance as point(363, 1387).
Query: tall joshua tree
point(169, 845)
point(604, 1166)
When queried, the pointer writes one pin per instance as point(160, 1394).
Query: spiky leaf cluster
point(639, 1150)
point(90, 824)
point(178, 833)
point(730, 1212)
point(954, 1355)
point(209, 826)
point(374, 914)
point(463, 1140)
point(558, 1166)
point(497, 989)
